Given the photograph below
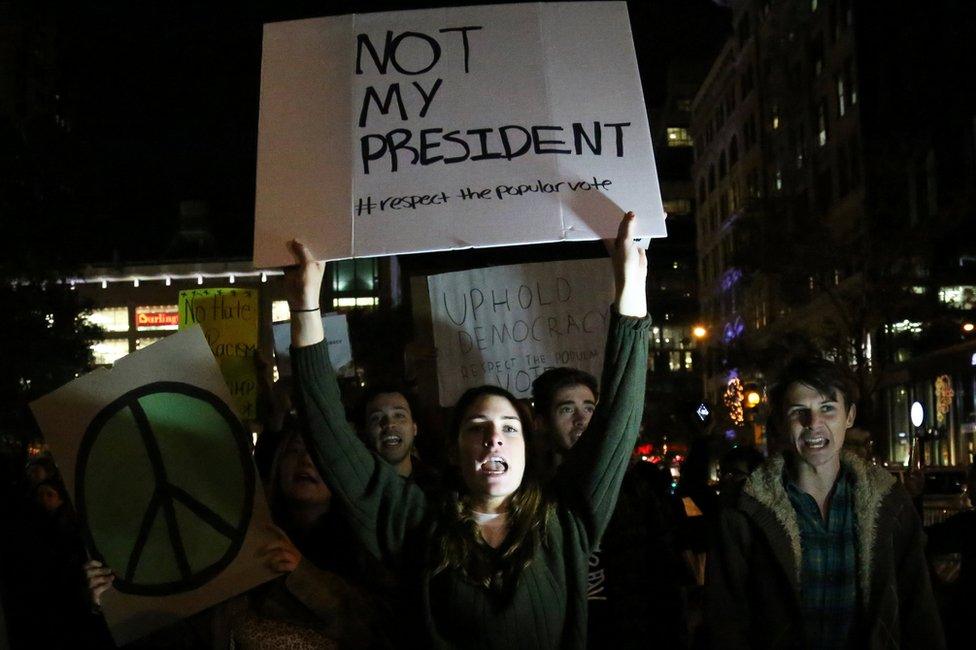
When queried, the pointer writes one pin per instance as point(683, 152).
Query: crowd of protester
point(545, 529)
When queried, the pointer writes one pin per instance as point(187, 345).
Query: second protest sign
point(506, 325)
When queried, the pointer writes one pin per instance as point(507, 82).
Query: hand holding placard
point(630, 271)
point(303, 286)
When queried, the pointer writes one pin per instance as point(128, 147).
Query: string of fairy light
point(733, 401)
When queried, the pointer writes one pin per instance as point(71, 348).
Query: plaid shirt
point(828, 572)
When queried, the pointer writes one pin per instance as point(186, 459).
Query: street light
point(968, 327)
point(753, 398)
point(918, 414)
point(915, 454)
point(699, 331)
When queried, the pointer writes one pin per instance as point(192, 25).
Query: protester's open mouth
point(814, 441)
point(390, 440)
point(493, 466)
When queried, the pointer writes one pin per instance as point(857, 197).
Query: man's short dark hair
point(382, 389)
point(829, 378)
point(546, 385)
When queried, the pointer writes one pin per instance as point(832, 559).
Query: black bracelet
point(301, 311)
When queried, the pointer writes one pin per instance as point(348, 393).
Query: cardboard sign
point(336, 333)
point(230, 319)
point(442, 129)
point(159, 469)
point(506, 325)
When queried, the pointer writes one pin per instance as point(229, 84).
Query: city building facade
point(834, 173)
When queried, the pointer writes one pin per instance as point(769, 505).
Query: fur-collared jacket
point(752, 595)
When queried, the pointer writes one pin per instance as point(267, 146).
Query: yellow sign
point(229, 318)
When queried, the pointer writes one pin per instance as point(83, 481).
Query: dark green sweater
point(395, 519)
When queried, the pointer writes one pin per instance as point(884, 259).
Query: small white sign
point(336, 333)
point(442, 129)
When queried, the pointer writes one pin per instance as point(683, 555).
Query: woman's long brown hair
point(459, 543)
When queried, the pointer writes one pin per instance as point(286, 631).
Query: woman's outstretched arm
point(382, 508)
point(590, 477)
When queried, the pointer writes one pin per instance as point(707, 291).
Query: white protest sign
point(506, 325)
point(450, 128)
point(336, 333)
point(160, 471)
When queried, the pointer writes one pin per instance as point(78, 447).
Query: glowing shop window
point(158, 317)
point(363, 301)
point(108, 352)
point(674, 361)
point(146, 342)
point(280, 311)
point(677, 206)
point(110, 319)
point(959, 297)
point(679, 137)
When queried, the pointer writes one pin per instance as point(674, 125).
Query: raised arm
point(383, 509)
point(590, 477)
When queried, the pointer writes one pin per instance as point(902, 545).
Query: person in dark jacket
point(821, 549)
point(633, 590)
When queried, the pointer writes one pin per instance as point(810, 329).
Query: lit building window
point(110, 319)
point(779, 180)
point(689, 366)
point(814, 4)
point(280, 311)
point(841, 105)
point(959, 297)
point(906, 326)
point(106, 353)
point(355, 283)
point(679, 137)
point(775, 120)
point(822, 124)
point(145, 343)
point(674, 360)
point(851, 85)
point(677, 206)
point(347, 303)
point(160, 317)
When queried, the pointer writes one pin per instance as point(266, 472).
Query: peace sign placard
point(189, 527)
point(159, 468)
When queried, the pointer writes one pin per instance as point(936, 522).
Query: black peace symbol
point(174, 511)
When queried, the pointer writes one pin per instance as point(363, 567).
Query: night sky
point(164, 99)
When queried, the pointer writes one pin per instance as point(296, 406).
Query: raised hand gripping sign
point(159, 469)
point(449, 128)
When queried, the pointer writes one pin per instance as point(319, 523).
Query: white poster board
point(506, 325)
point(160, 471)
point(336, 328)
point(450, 128)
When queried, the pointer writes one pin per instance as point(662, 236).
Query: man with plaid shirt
point(820, 549)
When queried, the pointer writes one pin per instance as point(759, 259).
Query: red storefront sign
point(156, 320)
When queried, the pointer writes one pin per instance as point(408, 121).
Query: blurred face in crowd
point(36, 474)
point(298, 480)
point(572, 408)
point(491, 451)
point(390, 427)
point(817, 423)
point(48, 498)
